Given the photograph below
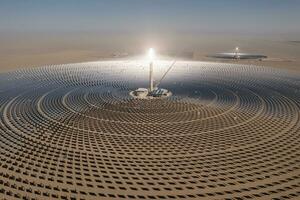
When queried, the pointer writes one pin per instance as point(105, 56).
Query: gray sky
point(142, 22)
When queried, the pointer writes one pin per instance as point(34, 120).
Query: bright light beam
point(151, 54)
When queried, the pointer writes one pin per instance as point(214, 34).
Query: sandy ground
point(25, 52)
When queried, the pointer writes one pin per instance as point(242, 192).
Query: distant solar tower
point(236, 53)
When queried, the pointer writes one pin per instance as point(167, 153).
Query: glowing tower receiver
point(151, 55)
point(236, 53)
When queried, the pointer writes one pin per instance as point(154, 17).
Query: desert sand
point(21, 51)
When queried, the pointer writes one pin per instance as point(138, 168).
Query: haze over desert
point(21, 50)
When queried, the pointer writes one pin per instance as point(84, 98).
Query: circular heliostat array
point(74, 132)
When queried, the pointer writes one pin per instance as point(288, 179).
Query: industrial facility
point(152, 91)
point(237, 55)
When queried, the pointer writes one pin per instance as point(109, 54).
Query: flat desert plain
point(22, 51)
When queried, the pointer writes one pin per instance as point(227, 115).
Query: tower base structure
point(156, 93)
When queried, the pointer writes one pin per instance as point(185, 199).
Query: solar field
point(73, 131)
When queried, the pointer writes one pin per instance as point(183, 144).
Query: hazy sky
point(130, 24)
point(152, 16)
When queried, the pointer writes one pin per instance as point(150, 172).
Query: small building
point(159, 92)
point(141, 92)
